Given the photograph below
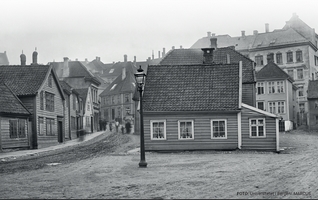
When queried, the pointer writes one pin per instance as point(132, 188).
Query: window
point(302, 107)
point(276, 107)
point(299, 56)
point(218, 129)
point(113, 99)
point(126, 97)
point(271, 87)
point(49, 126)
point(41, 100)
point(301, 91)
point(289, 57)
point(41, 126)
point(50, 80)
point(74, 102)
point(73, 123)
point(17, 128)
point(300, 74)
point(88, 121)
point(88, 106)
point(260, 105)
point(118, 99)
point(279, 58)
point(186, 129)
point(272, 107)
point(111, 71)
point(291, 73)
point(260, 88)
point(316, 104)
point(316, 60)
point(49, 102)
point(257, 128)
point(158, 129)
point(259, 60)
point(270, 57)
point(280, 86)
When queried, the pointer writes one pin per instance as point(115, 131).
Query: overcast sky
point(80, 29)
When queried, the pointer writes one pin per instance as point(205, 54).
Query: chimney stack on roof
point(125, 58)
point(266, 27)
point(66, 70)
point(213, 34)
point(180, 46)
point(208, 52)
point(158, 54)
point(243, 33)
point(22, 58)
point(214, 43)
point(35, 57)
point(172, 47)
point(163, 52)
point(255, 32)
point(97, 58)
point(209, 34)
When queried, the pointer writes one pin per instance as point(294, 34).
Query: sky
point(109, 29)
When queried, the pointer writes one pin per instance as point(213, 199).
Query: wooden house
point(86, 110)
point(313, 105)
point(14, 120)
point(38, 88)
point(276, 93)
point(199, 107)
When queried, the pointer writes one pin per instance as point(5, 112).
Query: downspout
point(239, 114)
point(277, 135)
point(69, 117)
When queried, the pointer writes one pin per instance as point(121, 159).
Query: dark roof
point(192, 88)
point(272, 71)
point(10, 103)
point(96, 65)
point(66, 87)
point(122, 86)
point(24, 80)
point(313, 89)
point(4, 59)
point(195, 56)
point(82, 93)
point(77, 69)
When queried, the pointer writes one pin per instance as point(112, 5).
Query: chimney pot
point(125, 58)
point(180, 46)
point(209, 34)
point(255, 32)
point(266, 27)
point(243, 33)
point(213, 43)
point(213, 34)
point(35, 57)
point(163, 52)
point(66, 70)
point(172, 47)
point(23, 59)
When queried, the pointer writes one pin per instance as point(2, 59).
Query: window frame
point(164, 131)
point(257, 130)
point(19, 130)
point(52, 120)
point(279, 57)
point(263, 102)
point(289, 54)
point(49, 102)
point(42, 100)
point(259, 58)
point(299, 53)
point(260, 85)
point(192, 129)
point(302, 74)
point(50, 81)
point(300, 89)
point(225, 125)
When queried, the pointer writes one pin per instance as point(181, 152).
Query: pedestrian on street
point(110, 126)
point(117, 125)
point(122, 129)
point(128, 127)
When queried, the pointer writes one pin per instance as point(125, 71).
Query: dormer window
point(111, 71)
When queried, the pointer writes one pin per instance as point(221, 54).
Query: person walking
point(117, 126)
point(128, 127)
point(110, 126)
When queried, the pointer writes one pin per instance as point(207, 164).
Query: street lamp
point(140, 80)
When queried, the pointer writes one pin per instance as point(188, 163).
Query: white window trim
point(164, 132)
point(276, 107)
point(264, 106)
point(192, 128)
point(218, 138)
point(264, 125)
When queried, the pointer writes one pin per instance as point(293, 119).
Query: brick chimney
point(22, 58)
point(153, 56)
point(255, 32)
point(180, 46)
point(125, 58)
point(243, 33)
point(158, 54)
point(266, 27)
point(209, 34)
point(163, 52)
point(208, 52)
point(35, 57)
point(66, 69)
point(135, 60)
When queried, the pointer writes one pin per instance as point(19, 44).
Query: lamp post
point(140, 80)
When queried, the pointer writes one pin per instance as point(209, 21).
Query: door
point(60, 131)
point(92, 124)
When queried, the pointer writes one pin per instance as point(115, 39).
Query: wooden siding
point(249, 94)
point(28, 102)
point(58, 111)
point(6, 141)
point(267, 143)
point(202, 133)
point(313, 112)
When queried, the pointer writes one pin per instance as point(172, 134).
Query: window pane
point(253, 130)
point(261, 131)
point(253, 122)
